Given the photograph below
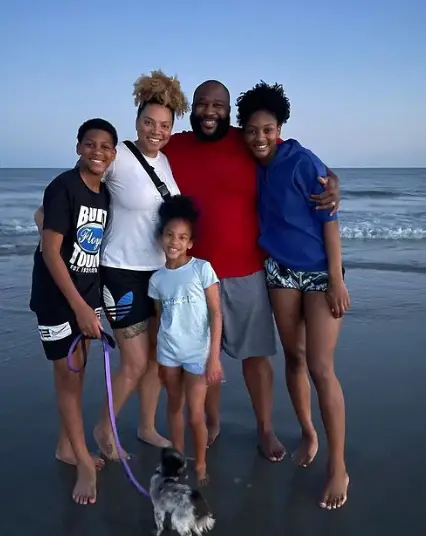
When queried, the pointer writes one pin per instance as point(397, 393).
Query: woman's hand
point(338, 298)
point(330, 198)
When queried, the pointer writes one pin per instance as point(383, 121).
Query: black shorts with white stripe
point(57, 336)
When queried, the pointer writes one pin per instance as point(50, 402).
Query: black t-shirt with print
point(80, 215)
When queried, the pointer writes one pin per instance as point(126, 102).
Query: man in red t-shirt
point(211, 164)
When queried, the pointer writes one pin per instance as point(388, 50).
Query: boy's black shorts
point(124, 295)
point(57, 334)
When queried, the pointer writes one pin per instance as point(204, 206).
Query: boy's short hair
point(97, 124)
point(177, 207)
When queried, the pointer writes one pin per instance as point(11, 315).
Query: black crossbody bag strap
point(158, 183)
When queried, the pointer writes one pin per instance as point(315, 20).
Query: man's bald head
point(211, 109)
point(212, 86)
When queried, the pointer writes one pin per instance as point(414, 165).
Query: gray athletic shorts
point(248, 326)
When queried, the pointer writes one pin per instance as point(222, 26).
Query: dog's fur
point(189, 513)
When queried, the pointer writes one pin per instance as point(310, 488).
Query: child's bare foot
point(107, 446)
point(84, 491)
point(153, 438)
point(271, 447)
point(213, 431)
point(336, 490)
point(304, 455)
point(202, 476)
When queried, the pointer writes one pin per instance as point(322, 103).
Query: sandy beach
point(381, 362)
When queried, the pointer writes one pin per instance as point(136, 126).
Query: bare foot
point(202, 476)
point(153, 438)
point(213, 431)
point(270, 447)
point(84, 491)
point(69, 459)
point(107, 446)
point(304, 455)
point(336, 490)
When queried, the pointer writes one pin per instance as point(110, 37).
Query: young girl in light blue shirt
point(187, 300)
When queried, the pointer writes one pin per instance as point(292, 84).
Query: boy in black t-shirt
point(65, 285)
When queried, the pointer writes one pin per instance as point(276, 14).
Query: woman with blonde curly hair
point(131, 254)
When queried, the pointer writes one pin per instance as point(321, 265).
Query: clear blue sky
point(355, 72)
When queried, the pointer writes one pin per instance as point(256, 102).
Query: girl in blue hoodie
point(304, 275)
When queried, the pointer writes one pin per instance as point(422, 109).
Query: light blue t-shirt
point(184, 333)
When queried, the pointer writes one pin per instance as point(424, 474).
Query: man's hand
point(330, 198)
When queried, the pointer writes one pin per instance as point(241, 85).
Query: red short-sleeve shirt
point(220, 176)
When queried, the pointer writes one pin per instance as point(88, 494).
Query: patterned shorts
point(278, 276)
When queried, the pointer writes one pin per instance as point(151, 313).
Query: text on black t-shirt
point(80, 215)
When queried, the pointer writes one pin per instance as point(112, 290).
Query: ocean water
point(379, 360)
point(383, 215)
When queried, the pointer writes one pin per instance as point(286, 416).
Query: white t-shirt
point(130, 240)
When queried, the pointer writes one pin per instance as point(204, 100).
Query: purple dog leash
point(107, 344)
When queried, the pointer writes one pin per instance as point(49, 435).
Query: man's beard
point(220, 132)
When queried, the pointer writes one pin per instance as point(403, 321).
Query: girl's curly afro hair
point(177, 207)
point(160, 89)
point(263, 96)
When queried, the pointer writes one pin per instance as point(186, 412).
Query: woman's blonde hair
point(160, 89)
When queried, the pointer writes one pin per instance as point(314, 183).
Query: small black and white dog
point(189, 513)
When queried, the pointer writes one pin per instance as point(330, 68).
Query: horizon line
point(331, 167)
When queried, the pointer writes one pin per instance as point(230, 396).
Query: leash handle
point(73, 346)
point(80, 337)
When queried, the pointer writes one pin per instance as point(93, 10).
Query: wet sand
point(382, 365)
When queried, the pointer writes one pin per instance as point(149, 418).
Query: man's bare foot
point(336, 490)
point(84, 491)
point(213, 431)
point(153, 438)
point(202, 476)
point(107, 446)
point(307, 450)
point(270, 447)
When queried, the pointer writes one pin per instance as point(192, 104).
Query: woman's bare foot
point(65, 454)
point(271, 447)
point(107, 446)
point(84, 491)
point(202, 476)
point(153, 438)
point(70, 459)
point(336, 490)
point(307, 450)
point(213, 431)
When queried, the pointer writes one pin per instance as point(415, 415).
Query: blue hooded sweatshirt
point(291, 230)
